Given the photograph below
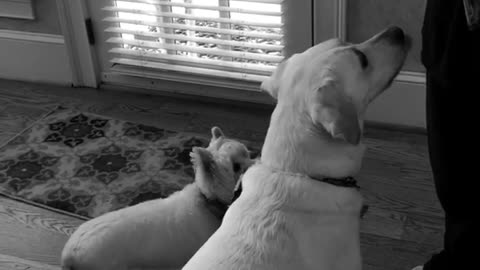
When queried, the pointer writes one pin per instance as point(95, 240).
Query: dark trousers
point(453, 157)
point(451, 55)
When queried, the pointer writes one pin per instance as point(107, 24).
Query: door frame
point(73, 15)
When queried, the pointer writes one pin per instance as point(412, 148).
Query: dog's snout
point(395, 35)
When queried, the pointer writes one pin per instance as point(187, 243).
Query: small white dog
point(299, 209)
point(163, 233)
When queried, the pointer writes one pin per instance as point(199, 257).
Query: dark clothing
point(450, 50)
point(452, 149)
point(451, 55)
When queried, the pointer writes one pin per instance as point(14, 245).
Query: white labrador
point(163, 233)
point(288, 216)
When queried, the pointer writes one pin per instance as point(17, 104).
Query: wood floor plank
point(24, 98)
point(30, 244)
point(402, 200)
point(15, 263)
point(392, 254)
point(37, 218)
point(33, 233)
point(406, 170)
point(396, 176)
point(384, 223)
point(14, 123)
point(424, 229)
point(253, 128)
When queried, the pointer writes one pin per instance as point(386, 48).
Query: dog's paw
point(194, 157)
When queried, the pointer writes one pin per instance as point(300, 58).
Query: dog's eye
point(361, 57)
point(236, 167)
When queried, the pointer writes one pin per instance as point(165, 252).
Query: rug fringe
point(43, 206)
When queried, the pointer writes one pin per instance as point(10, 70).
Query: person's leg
point(448, 144)
point(451, 54)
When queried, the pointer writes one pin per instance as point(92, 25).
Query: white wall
point(34, 57)
point(403, 104)
point(35, 50)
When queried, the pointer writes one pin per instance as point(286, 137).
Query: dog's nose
point(395, 34)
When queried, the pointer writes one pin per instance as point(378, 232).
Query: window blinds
point(235, 39)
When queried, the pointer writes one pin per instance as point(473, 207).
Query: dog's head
point(333, 82)
point(219, 166)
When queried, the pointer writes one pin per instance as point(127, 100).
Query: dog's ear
point(337, 114)
point(217, 133)
point(210, 175)
point(205, 168)
point(272, 84)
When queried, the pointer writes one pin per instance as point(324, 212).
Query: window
point(230, 39)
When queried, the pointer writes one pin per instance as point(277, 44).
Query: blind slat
point(192, 17)
point(246, 44)
point(252, 45)
point(186, 60)
point(191, 70)
point(261, 1)
point(249, 1)
point(196, 28)
point(219, 52)
point(219, 8)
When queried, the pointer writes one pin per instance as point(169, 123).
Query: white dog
point(163, 233)
point(299, 209)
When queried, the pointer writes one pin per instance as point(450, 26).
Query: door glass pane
point(367, 17)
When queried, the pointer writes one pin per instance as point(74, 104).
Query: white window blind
point(234, 39)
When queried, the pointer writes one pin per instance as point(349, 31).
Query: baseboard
point(34, 57)
point(402, 105)
point(224, 94)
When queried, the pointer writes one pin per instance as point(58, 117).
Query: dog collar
point(348, 182)
point(215, 206)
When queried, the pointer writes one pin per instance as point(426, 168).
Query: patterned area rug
point(88, 164)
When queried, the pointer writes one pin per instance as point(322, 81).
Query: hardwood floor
point(403, 226)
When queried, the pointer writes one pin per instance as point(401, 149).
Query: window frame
point(233, 89)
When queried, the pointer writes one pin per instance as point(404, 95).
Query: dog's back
point(158, 232)
point(273, 224)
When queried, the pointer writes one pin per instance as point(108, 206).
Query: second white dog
point(163, 233)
